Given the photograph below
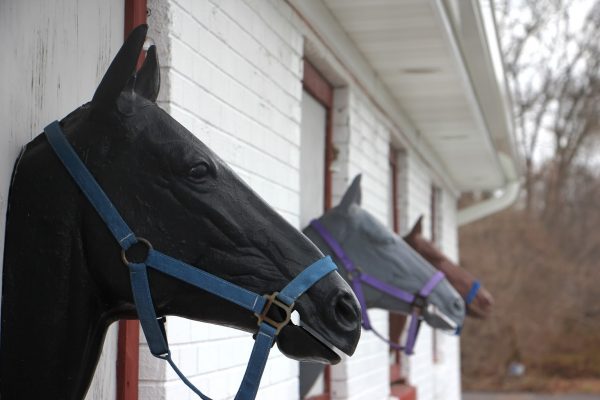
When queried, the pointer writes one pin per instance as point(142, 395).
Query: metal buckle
point(272, 300)
point(355, 273)
point(139, 240)
point(419, 303)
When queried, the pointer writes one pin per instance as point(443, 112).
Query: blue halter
point(472, 292)
point(152, 325)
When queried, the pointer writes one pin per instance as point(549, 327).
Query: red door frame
point(318, 87)
point(398, 387)
point(396, 321)
point(434, 209)
point(128, 357)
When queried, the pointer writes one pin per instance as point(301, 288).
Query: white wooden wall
point(54, 54)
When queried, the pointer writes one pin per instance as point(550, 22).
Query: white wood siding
point(54, 54)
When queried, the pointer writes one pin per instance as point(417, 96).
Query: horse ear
point(147, 82)
point(120, 69)
point(417, 229)
point(352, 195)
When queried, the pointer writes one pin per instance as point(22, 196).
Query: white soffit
point(408, 44)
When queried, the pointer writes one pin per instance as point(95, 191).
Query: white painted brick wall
point(362, 137)
point(232, 74)
point(440, 380)
point(447, 382)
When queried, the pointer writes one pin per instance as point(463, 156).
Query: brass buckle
point(356, 273)
point(419, 304)
point(140, 240)
point(272, 300)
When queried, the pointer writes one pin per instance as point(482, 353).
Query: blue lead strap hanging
point(151, 324)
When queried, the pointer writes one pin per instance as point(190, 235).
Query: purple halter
point(356, 276)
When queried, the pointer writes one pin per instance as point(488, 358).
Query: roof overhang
point(438, 65)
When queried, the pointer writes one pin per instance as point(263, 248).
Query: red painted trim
point(404, 392)
point(396, 326)
point(136, 12)
point(396, 322)
point(318, 87)
point(315, 84)
point(327, 383)
point(395, 374)
point(393, 160)
point(434, 204)
point(329, 158)
point(326, 395)
point(433, 208)
point(319, 397)
point(128, 358)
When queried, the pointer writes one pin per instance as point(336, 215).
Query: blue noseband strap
point(152, 325)
point(472, 292)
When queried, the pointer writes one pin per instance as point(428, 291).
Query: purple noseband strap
point(357, 277)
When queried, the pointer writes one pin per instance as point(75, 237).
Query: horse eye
point(199, 171)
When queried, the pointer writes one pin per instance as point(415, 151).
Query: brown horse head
point(460, 278)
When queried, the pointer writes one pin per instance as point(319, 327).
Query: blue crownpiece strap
point(89, 186)
point(153, 326)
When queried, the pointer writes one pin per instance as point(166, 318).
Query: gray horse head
point(381, 253)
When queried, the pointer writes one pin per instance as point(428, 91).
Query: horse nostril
point(346, 312)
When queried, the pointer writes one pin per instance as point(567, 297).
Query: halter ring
point(355, 273)
point(272, 300)
point(141, 240)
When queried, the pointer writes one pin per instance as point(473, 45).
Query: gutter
point(510, 194)
point(512, 186)
point(445, 22)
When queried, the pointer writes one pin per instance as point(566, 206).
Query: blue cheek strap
point(472, 292)
point(469, 299)
point(152, 325)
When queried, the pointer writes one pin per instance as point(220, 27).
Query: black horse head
point(64, 282)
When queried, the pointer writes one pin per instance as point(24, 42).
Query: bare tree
point(542, 261)
point(552, 65)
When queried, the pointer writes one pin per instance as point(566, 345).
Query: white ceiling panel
point(405, 44)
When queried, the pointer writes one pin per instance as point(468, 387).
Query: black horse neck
point(53, 318)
